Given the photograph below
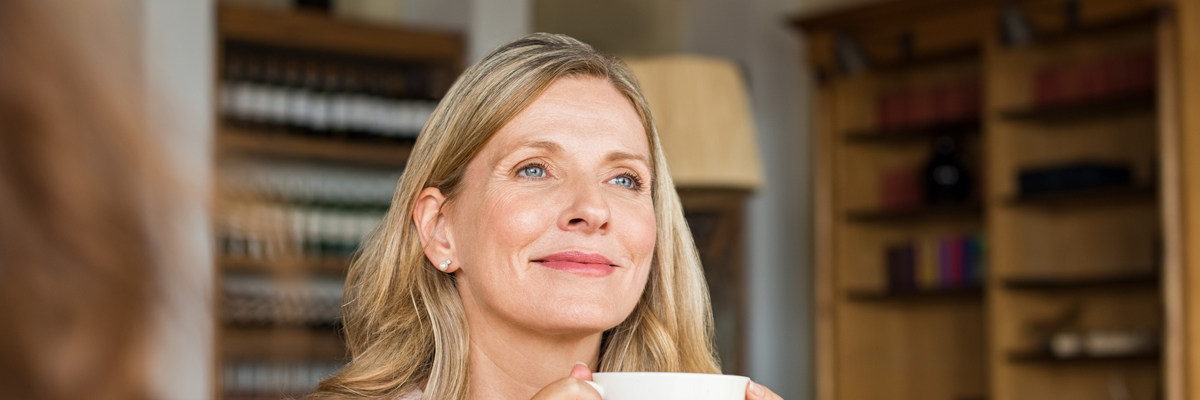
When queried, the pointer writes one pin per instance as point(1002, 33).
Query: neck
point(508, 362)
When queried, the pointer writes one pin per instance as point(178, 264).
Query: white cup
point(669, 386)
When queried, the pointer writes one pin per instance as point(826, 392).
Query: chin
point(572, 316)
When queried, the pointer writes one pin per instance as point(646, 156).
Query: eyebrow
point(613, 156)
point(542, 144)
point(621, 155)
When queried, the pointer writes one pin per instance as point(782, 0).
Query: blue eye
point(626, 181)
point(532, 171)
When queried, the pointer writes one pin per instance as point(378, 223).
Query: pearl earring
point(444, 265)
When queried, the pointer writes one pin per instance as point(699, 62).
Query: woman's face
point(554, 228)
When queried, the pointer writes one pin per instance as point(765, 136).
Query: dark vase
point(946, 180)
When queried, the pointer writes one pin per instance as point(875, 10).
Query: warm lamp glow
point(704, 120)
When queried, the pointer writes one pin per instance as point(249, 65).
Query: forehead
point(583, 113)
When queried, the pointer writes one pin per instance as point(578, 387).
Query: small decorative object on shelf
point(1083, 345)
point(937, 263)
point(945, 178)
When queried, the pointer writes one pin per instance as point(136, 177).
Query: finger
point(754, 391)
point(581, 371)
point(568, 389)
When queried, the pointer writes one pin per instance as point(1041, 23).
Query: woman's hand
point(755, 391)
point(572, 387)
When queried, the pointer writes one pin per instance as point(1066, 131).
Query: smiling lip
point(578, 263)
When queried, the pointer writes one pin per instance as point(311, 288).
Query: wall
point(177, 60)
point(779, 239)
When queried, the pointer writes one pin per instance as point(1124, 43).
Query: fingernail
point(581, 363)
point(756, 389)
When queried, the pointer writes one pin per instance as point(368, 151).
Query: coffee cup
point(669, 386)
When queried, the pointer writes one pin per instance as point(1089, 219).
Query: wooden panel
point(1188, 19)
point(929, 350)
point(715, 217)
point(281, 344)
point(1175, 345)
point(234, 141)
point(824, 273)
point(315, 31)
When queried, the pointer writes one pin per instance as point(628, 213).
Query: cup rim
point(667, 374)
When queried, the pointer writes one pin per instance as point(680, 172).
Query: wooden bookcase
point(287, 348)
point(1062, 269)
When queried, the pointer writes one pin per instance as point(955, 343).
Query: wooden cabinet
point(1075, 294)
point(298, 185)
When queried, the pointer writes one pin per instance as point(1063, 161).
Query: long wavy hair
point(404, 321)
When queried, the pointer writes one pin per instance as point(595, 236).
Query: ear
point(431, 224)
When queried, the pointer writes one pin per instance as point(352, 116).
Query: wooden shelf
point(332, 266)
point(1100, 108)
point(1100, 195)
point(315, 31)
point(971, 52)
point(968, 210)
point(1138, 20)
point(1047, 357)
point(1114, 281)
point(235, 141)
point(868, 295)
point(916, 134)
point(285, 343)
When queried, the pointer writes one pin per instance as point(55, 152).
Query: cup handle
point(597, 387)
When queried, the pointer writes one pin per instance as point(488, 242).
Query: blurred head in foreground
point(77, 180)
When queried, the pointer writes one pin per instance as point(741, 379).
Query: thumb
point(581, 371)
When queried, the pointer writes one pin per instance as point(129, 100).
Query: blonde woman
point(536, 234)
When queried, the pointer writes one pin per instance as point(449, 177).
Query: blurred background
point(898, 199)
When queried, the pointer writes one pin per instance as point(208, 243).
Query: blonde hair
point(404, 321)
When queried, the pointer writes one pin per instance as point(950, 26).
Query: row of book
point(248, 300)
point(944, 103)
point(260, 380)
point(310, 183)
point(936, 263)
point(296, 92)
point(1095, 78)
point(269, 231)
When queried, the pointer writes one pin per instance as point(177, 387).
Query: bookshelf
point(316, 120)
point(1083, 108)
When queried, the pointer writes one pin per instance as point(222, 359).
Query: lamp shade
point(704, 120)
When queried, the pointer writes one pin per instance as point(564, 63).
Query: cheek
point(641, 233)
point(507, 222)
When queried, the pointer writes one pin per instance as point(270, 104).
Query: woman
point(535, 232)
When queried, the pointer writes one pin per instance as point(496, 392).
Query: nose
point(587, 210)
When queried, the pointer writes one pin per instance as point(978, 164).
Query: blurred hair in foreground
point(79, 181)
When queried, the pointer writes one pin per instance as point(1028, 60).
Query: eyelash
point(637, 180)
point(534, 164)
